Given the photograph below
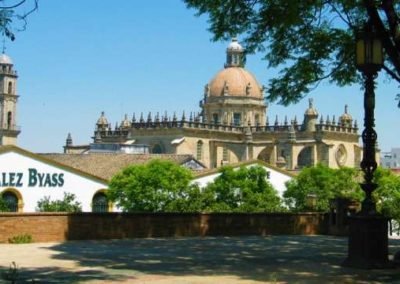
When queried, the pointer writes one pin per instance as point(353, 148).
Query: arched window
point(305, 158)
point(199, 152)
point(9, 119)
point(11, 200)
point(10, 87)
point(100, 202)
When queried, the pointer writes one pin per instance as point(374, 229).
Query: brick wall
point(47, 227)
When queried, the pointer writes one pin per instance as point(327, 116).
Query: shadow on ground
point(292, 259)
point(45, 275)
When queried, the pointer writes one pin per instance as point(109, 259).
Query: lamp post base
point(368, 242)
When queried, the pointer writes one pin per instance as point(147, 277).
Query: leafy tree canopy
point(162, 186)
point(243, 190)
point(158, 186)
point(67, 204)
point(308, 41)
point(325, 184)
point(14, 14)
point(388, 193)
point(3, 205)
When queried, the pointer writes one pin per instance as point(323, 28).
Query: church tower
point(8, 102)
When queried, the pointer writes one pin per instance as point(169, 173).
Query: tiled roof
point(105, 165)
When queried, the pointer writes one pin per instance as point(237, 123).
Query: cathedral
point(231, 127)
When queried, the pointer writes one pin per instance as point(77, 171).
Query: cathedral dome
point(5, 59)
point(235, 81)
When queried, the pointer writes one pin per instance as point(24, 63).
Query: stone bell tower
point(8, 102)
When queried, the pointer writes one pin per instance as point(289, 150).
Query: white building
point(25, 178)
point(276, 177)
point(391, 160)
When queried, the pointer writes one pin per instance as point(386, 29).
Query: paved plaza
point(273, 259)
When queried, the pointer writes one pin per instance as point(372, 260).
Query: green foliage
point(243, 190)
point(158, 186)
point(3, 205)
point(67, 204)
point(21, 239)
point(162, 186)
point(308, 41)
point(387, 194)
point(323, 182)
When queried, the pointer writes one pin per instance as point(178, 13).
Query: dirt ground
point(274, 259)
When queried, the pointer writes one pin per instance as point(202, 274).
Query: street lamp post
point(368, 236)
point(369, 60)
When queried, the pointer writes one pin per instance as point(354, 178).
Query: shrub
point(67, 204)
point(21, 239)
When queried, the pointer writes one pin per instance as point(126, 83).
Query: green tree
point(307, 41)
point(3, 205)
point(158, 186)
point(14, 14)
point(387, 194)
point(243, 190)
point(325, 184)
point(67, 204)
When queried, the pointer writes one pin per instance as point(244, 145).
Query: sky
point(79, 58)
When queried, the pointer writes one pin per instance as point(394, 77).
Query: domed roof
point(5, 59)
point(235, 81)
point(311, 111)
point(346, 116)
point(102, 119)
point(235, 46)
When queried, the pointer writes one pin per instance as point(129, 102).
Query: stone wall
point(48, 227)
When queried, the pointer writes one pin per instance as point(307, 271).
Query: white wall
point(84, 188)
point(277, 179)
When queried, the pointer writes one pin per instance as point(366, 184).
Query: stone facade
point(8, 102)
point(232, 126)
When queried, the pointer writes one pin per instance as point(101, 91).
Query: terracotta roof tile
point(105, 165)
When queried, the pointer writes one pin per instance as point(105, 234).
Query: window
point(9, 119)
point(199, 152)
point(10, 87)
point(11, 200)
point(237, 119)
point(257, 119)
point(100, 202)
point(215, 118)
point(235, 59)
